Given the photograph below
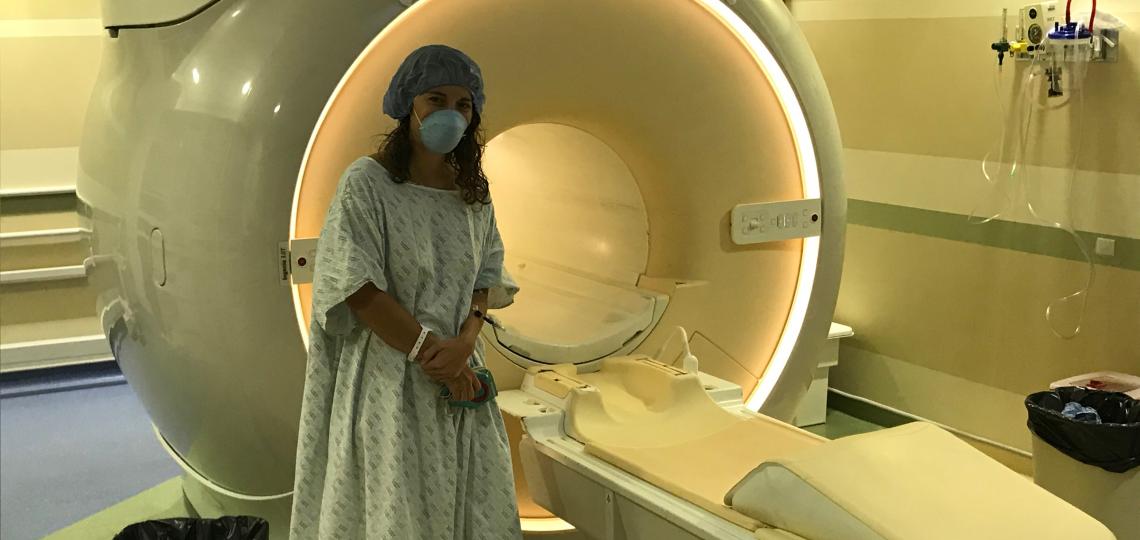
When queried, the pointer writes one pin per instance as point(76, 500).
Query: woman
point(409, 258)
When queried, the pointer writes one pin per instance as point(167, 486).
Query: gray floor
point(67, 455)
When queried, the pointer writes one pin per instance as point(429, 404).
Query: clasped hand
point(445, 361)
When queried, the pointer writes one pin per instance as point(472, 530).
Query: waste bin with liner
point(222, 528)
point(1090, 460)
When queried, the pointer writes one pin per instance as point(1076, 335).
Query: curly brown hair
point(395, 154)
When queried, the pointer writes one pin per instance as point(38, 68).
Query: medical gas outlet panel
point(1037, 24)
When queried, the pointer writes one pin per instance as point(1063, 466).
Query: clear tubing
point(1001, 181)
point(1015, 187)
point(998, 180)
point(1080, 296)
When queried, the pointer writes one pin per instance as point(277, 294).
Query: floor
point(83, 463)
point(71, 452)
point(840, 424)
point(162, 501)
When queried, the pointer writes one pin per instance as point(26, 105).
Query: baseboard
point(1016, 459)
point(863, 410)
point(59, 379)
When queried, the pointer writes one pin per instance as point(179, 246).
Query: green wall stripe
point(1038, 239)
point(38, 204)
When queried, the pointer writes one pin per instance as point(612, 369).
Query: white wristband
point(419, 343)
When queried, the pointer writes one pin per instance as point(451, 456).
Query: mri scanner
point(655, 164)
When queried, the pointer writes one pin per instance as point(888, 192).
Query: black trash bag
point(1113, 445)
point(223, 528)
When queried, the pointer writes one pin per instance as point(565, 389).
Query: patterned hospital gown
point(380, 455)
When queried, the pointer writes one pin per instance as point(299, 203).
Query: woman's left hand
point(446, 359)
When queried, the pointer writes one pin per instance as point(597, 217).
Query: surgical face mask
point(442, 130)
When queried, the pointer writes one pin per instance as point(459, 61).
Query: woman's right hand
point(464, 387)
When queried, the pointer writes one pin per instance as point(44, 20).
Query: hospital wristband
point(419, 343)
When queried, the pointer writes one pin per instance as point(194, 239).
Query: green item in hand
point(486, 392)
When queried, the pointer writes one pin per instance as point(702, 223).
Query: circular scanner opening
point(620, 136)
point(574, 221)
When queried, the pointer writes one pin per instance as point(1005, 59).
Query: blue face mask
point(442, 130)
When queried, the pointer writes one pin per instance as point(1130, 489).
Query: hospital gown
point(380, 455)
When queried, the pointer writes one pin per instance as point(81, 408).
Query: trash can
point(1090, 460)
point(223, 528)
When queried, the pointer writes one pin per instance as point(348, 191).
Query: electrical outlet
point(1106, 247)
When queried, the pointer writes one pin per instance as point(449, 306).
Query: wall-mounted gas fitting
point(1002, 45)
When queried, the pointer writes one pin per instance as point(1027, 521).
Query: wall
point(49, 57)
point(949, 315)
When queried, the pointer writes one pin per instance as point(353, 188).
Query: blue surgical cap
point(429, 67)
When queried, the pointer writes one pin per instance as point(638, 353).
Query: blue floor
point(66, 454)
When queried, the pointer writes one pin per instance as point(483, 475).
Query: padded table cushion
point(912, 481)
point(659, 424)
point(702, 470)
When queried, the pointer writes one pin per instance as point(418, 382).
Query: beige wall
point(48, 9)
point(49, 57)
point(888, 76)
point(45, 83)
point(954, 330)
